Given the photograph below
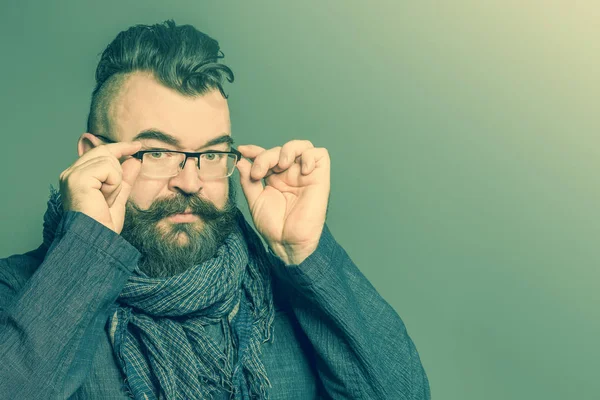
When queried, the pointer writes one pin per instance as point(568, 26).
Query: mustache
point(162, 208)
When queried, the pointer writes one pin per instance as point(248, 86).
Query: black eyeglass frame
point(140, 154)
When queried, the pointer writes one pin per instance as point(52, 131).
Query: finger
point(122, 149)
point(115, 150)
point(292, 150)
point(96, 174)
point(264, 162)
point(92, 173)
point(111, 196)
point(93, 169)
point(104, 172)
point(313, 158)
point(131, 170)
point(250, 151)
point(252, 188)
point(322, 161)
point(111, 179)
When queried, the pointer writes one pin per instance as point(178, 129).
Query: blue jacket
point(334, 335)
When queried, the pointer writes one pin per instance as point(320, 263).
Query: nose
point(188, 180)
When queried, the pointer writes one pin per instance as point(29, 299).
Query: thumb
point(131, 170)
point(252, 188)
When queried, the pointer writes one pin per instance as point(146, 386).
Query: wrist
point(291, 254)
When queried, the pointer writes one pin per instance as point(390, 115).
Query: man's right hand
point(98, 185)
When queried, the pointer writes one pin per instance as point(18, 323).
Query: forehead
point(142, 103)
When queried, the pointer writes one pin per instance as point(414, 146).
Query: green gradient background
point(464, 144)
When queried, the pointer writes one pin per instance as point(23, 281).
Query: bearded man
point(150, 283)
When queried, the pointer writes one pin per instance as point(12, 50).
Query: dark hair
point(179, 57)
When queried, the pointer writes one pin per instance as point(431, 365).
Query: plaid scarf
point(158, 325)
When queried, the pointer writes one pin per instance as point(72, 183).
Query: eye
point(160, 154)
point(212, 156)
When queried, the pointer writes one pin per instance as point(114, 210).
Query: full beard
point(167, 248)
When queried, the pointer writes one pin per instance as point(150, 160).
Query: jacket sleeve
point(53, 313)
point(362, 348)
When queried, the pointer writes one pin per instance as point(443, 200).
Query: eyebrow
point(155, 134)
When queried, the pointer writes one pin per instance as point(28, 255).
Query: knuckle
point(260, 158)
point(73, 176)
point(111, 160)
point(72, 181)
point(288, 150)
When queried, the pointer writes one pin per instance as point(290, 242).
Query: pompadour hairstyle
point(179, 57)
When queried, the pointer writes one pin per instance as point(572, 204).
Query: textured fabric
point(334, 336)
point(158, 329)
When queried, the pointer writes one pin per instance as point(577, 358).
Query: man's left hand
point(290, 210)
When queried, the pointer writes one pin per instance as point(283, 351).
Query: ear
point(86, 142)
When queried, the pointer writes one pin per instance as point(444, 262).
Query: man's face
point(172, 243)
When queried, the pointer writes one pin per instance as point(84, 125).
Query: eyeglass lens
point(162, 164)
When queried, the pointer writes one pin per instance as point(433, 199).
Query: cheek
point(216, 192)
point(144, 192)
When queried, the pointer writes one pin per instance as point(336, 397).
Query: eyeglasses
point(213, 164)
